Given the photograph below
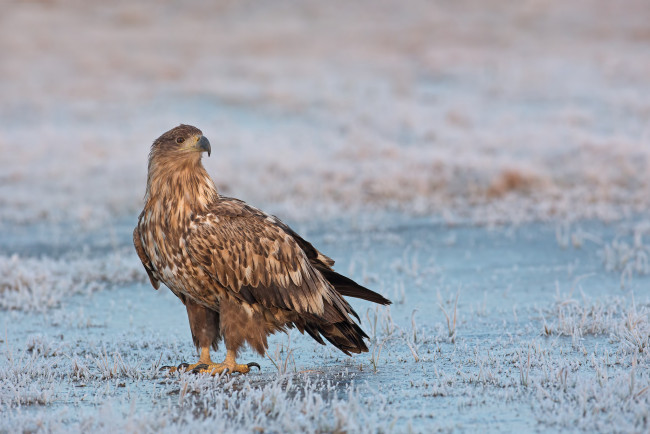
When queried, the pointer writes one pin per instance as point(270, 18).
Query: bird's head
point(183, 143)
point(175, 167)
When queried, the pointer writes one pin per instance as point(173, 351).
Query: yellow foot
point(212, 368)
point(219, 368)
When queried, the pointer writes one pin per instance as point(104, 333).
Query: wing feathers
point(137, 242)
point(259, 259)
point(261, 256)
point(350, 288)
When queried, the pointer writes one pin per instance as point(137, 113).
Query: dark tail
point(335, 325)
point(346, 336)
point(350, 288)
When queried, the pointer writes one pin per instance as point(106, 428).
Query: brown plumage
point(241, 273)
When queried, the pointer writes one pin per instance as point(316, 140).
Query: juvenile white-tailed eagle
point(241, 273)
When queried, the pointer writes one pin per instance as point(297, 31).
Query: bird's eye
point(180, 140)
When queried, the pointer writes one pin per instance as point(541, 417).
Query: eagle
point(242, 274)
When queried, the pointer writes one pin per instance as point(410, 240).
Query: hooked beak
point(204, 145)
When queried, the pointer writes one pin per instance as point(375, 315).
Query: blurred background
point(482, 110)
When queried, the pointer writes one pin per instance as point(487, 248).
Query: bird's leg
point(206, 329)
point(204, 359)
point(229, 365)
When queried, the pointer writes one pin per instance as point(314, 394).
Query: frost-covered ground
point(484, 164)
point(521, 328)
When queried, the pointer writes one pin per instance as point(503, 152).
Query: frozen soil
point(516, 328)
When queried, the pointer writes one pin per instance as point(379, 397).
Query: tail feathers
point(335, 325)
point(345, 335)
point(350, 288)
point(314, 333)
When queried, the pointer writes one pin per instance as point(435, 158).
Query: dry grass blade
point(451, 321)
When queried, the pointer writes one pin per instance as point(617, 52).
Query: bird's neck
point(176, 190)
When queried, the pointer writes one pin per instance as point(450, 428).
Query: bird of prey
point(241, 273)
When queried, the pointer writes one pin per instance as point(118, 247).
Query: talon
point(207, 366)
point(168, 368)
point(198, 368)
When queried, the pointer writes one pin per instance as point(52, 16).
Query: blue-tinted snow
point(542, 331)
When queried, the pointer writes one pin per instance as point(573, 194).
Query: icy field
point(484, 164)
point(527, 328)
